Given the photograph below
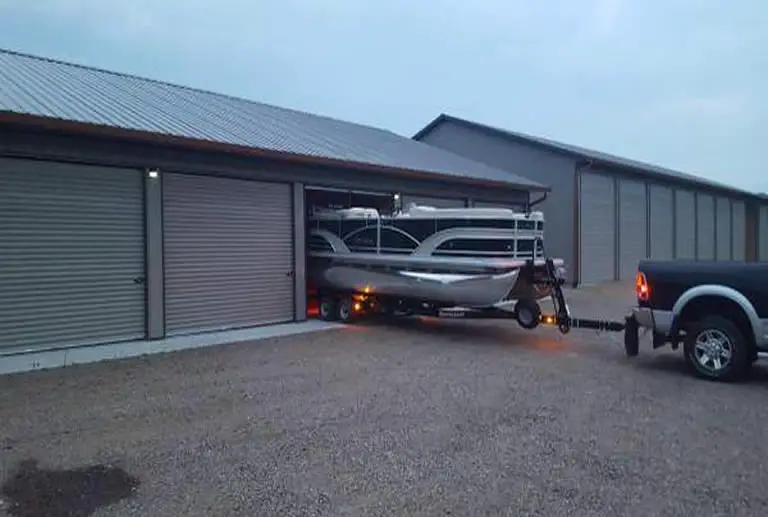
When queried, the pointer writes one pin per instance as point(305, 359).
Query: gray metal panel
point(739, 231)
point(437, 202)
point(633, 227)
point(723, 228)
point(71, 255)
point(763, 234)
point(662, 222)
point(299, 252)
point(44, 87)
point(685, 225)
point(228, 253)
point(598, 228)
point(153, 217)
point(705, 227)
point(606, 159)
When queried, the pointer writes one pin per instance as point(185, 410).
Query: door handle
point(139, 280)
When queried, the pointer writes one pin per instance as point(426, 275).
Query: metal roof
point(583, 153)
point(36, 86)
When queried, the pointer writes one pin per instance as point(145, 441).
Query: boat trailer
point(527, 313)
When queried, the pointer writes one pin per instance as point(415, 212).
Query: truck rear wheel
point(716, 349)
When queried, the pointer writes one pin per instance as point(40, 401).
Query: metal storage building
point(133, 210)
point(605, 213)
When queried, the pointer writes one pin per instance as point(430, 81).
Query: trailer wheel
point(715, 349)
point(327, 309)
point(345, 309)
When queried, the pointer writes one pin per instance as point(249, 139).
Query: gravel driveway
point(419, 418)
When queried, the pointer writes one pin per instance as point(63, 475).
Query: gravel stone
point(414, 417)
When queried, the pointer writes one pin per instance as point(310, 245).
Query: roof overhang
point(143, 137)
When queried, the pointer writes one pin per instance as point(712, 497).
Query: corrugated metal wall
point(723, 230)
point(685, 225)
point(228, 248)
point(705, 228)
point(633, 226)
point(739, 231)
point(661, 222)
point(598, 228)
point(71, 255)
point(763, 234)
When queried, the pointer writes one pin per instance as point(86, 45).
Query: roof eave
point(89, 129)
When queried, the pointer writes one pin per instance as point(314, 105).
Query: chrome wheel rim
point(344, 311)
point(713, 350)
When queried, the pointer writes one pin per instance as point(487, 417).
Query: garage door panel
point(763, 234)
point(723, 229)
point(228, 253)
point(739, 231)
point(633, 220)
point(705, 231)
point(661, 222)
point(598, 228)
point(71, 255)
point(685, 225)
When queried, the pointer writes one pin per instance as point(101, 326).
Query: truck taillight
point(641, 285)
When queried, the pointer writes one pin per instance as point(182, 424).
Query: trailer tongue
point(527, 313)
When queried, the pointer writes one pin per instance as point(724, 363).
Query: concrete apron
point(39, 360)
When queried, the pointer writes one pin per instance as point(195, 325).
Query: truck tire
point(715, 349)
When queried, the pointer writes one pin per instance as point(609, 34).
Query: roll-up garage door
point(71, 255)
point(661, 223)
point(763, 234)
point(228, 253)
point(437, 202)
point(633, 227)
point(705, 229)
point(685, 225)
point(739, 231)
point(597, 228)
point(723, 229)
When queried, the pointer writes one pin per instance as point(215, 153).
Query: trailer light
point(357, 307)
point(548, 319)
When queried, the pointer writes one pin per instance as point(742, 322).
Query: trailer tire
point(345, 311)
point(715, 349)
point(327, 309)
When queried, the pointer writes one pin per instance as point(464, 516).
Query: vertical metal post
point(153, 233)
point(299, 253)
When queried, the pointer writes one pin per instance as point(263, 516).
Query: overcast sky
point(679, 83)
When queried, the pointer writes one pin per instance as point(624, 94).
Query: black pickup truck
point(717, 310)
